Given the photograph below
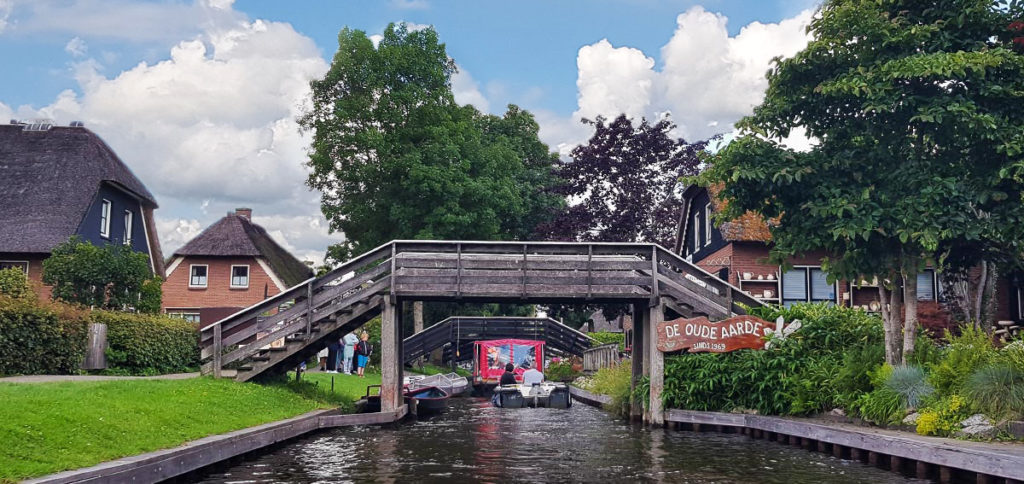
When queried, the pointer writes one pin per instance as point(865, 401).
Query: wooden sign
point(700, 335)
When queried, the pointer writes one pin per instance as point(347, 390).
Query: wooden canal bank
point(945, 460)
point(180, 461)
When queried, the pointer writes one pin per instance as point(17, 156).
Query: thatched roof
point(236, 236)
point(49, 179)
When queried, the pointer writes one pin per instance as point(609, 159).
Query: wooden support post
point(856, 454)
point(945, 474)
point(822, 447)
point(218, 351)
point(806, 443)
point(983, 478)
point(873, 458)
point(390, 364)
point(656, 314)
point(895, 463)
point(837, 451)
point(637, 357)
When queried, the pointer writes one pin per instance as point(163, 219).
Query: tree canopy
point(916, 108)
point(395, 156)
point(111, 276)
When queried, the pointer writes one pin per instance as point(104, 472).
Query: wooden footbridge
point(457, 334)
point(279, 333)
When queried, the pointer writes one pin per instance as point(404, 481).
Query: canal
point(473, 441)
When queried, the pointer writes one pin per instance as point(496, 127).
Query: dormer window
point(105, 219)
point(197, 275)
point(127, 227)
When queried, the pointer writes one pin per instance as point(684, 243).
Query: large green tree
point(917, 109)
point(396, 157)
point(110, 276)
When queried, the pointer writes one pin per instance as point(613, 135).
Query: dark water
point(475, 442)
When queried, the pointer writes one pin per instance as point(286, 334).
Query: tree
point(917, 112)
point(14, 283)
point(111, 276)
point(395, 156)
point(625, 182)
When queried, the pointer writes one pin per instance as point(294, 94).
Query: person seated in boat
point(531, 376)
point(509, 377)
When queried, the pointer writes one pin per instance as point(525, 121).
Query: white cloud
point(467, 91)
point(76, 47)
point(175, 232)
point(707, 81)
point(410, 4)
point(5, 12)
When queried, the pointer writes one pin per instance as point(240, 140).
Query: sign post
point(700, 335)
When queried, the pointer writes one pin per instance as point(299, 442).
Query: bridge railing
point(295, 310)
point(599, 357)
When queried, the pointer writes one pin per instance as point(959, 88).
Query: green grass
point(350, 387)
point(429, 369)
point(50, 427)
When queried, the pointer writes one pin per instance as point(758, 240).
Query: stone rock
point(911, 419)
point(975, 420)
point(983, 431)
point(838, 412)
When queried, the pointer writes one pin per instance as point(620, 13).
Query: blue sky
point(199, 97)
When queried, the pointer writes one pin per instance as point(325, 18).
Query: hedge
point(41, 339)
point(149, 344)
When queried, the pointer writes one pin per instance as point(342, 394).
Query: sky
point(199, 98)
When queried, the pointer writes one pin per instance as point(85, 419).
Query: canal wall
point(170, 463)
point(946, 460)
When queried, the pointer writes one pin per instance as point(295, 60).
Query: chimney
point(245, 213)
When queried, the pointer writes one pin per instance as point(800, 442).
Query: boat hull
point(535, 396)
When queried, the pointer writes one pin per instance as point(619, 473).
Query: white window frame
point(696, 231)
point(807, 280)
point(191, 315)
point(105, 212)
point(707, 224)
point(935, 285)
point(248, 273)
point(23, 263)
point(1020, 304)
point(128, 226)
point(206, 277)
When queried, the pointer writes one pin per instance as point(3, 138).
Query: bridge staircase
point(280, 332)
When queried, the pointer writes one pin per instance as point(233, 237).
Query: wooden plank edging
point(595, 399)
point(168, 463)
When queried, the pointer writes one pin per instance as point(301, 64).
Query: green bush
point(966, 353)
point(909, 382)
point(149, 344)
point(943, 417)
point(614, 381)
point(1013, 354)
point(997, 390)
point(561, 371)
point(14, 283)
point(40, 339)
point(606, 337)
point(801, 374)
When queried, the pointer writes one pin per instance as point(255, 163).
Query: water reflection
point(474, 441)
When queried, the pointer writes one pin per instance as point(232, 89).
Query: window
point(127, 227)
point(707, 224)
point(12, 264)
point(105, 219)
point(239, 276)
point(197, 275)
point(926, 285)
point(187, 316)
point(1020, 304)
point(806, 284)
point(696, 231)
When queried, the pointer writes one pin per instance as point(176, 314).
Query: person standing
point(363, 351)
point(332, 356)
point(350, 340)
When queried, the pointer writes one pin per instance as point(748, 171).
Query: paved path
point(60, 378)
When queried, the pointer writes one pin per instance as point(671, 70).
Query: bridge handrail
point(722, 288)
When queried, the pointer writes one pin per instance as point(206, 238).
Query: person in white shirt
point(531, 375)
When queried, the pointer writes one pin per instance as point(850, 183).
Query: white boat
point(538, 395)
point(451, 383)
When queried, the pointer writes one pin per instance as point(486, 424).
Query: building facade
point(231, 265)
point(64, 181)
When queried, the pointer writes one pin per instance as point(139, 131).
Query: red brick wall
point(35, 271)
point(218, 292)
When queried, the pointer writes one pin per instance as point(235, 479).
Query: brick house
point(737, 252)
point(61, 181)
point(231, 265)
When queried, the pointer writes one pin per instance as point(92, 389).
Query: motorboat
point(428, 399)
point(537, 395)
point(451, 383)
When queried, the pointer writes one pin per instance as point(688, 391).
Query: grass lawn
point(349, 387)
point(50, 427)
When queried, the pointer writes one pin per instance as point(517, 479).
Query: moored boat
point(428, 399)
point(451, 383)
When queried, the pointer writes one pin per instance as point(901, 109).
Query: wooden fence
point(600, 357)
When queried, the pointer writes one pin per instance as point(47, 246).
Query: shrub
point(615, 381)
point(882, 405)
point(854, 377)
point(910, 384)
point(40, 339)
point(149, 344)
point(966, 353)
point(997, 390)
point(606, 337)
point(943, 417)
point(110, 276)
point(561, 371)
point(14, 283)
point(1013, 354)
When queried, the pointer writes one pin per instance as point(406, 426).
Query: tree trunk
point(989, 308)
point(890, 322)
point(909, 310)
point(979, 296)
